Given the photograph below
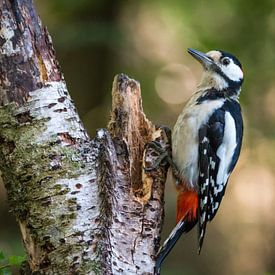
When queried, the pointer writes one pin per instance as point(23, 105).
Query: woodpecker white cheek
point(232, 71)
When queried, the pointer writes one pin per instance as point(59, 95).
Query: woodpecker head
point(222, 70)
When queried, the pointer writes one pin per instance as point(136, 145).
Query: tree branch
point(83, 206)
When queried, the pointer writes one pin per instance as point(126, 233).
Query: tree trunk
point(83, 206)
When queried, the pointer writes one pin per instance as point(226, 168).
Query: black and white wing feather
point(219, 148)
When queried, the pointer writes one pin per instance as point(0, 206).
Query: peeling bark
point(83, 206)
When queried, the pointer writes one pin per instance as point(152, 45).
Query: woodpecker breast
point(185, 140)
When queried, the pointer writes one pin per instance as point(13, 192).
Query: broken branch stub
point(138, 197)
point(129, 123)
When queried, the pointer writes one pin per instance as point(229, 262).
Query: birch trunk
point(83, 206)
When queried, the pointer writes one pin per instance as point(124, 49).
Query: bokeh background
point(96, 39)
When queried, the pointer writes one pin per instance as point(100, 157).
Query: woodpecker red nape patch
point(187, 204)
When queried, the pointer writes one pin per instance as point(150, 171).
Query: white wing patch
point(225, 152)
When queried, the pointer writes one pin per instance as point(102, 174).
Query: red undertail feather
point(187, 203)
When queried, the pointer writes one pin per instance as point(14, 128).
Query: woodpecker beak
point(205, 60)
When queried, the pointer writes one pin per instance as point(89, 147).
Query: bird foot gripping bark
point(159, 150)
point(164, 155)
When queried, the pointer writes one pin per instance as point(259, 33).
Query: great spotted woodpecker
point(206, 143)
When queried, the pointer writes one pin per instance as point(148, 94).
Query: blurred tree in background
point(96, 39)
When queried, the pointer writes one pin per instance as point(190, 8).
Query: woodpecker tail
point(187, 209)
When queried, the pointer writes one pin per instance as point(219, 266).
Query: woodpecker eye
point(225, 61)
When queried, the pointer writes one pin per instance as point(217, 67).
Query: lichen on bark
point(43, 173)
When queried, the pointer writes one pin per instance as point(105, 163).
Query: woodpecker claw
point(163, 155)
point(157, 163)
point(156, 146)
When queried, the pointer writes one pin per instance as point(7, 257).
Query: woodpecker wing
point(219, 148)
point(203, 182)
point(225, 135)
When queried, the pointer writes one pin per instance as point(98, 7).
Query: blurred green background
point(96, 39)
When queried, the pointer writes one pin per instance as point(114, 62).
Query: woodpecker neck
point(221, 83)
